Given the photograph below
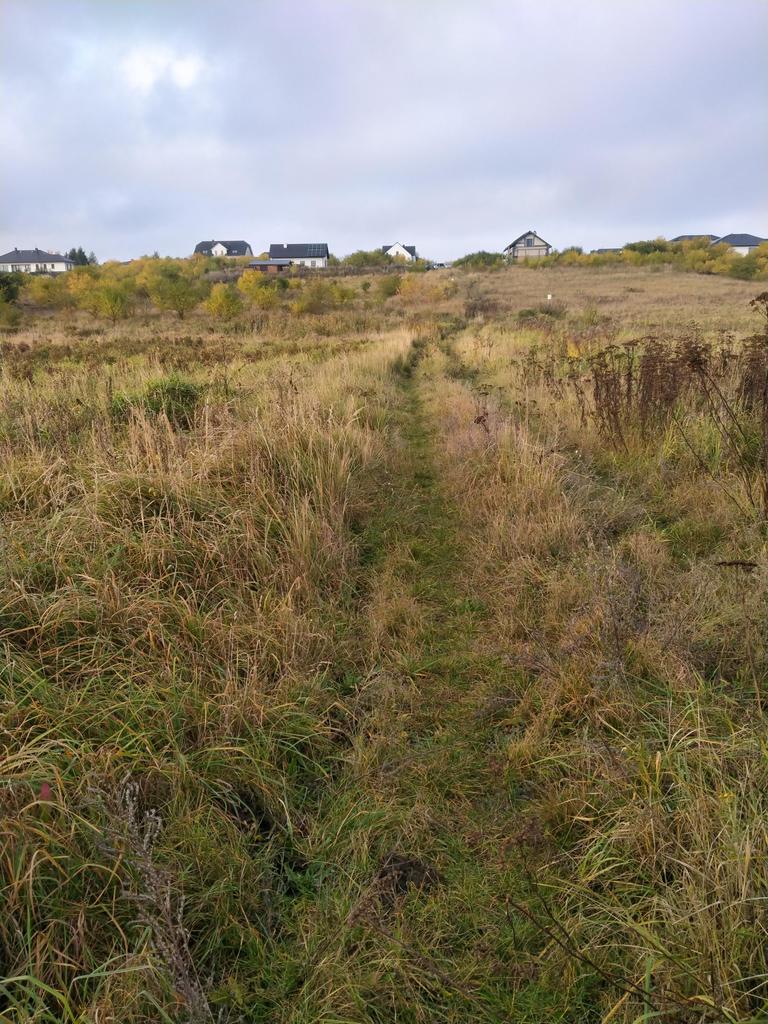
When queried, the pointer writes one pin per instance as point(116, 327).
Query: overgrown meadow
point(384, 648)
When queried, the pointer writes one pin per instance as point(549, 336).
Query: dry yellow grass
point(369, 676)
point(636, 299)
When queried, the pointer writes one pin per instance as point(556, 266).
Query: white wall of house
point(313, 261)
point(398, 251)
point(50, 267)
point(742, 250)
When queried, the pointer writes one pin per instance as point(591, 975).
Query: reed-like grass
point(623, 558)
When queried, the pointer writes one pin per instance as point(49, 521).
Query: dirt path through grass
point(428, 936)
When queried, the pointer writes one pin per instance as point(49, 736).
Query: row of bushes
point(697, 255)
point(114, 291)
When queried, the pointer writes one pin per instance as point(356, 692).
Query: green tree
point(170, 289)
point(367, 258)
point(115, 301)
point(258, 290)
point(78, 257)
point(111, 299)
point(224, 302)
point(10, 286)
point(51, 292)
point(645, 248)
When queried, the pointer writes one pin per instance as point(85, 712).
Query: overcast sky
point(129, 126)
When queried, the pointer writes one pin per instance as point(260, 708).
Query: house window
point(529, 240)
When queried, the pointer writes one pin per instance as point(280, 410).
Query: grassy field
point(405, 663)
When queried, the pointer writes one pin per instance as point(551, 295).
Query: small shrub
point(481, 260)
point(174, 396)
point(9, 314)
point(388, 285)
point(224, 302)
point(320, 296)
point(552, 310)
point(10, 286)
point(590, 316)
point(744, 268)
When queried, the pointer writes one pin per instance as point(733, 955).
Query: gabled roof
point(236, 247)
point(740, 240)
point(690, 238)
point(298, 250)
point(408, 248)
point(519, 238)
point(33, 256)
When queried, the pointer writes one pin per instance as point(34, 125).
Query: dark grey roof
point(519, 238)
point(690, 238)
point(236, 247)
point(33, 256)
point(615, 249)
point(408, 248)
point(298, 250)
point(270, 263)
point(740, 240)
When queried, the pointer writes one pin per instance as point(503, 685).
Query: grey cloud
point(450, 123)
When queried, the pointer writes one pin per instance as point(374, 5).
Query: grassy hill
point(398, 656)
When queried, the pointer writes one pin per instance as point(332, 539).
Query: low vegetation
point(386, 653)
point(696, 254)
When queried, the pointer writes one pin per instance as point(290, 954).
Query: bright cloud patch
point(143, 68)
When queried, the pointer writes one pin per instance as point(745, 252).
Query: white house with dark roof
point(527, 246)
point(34, 261)
point(303, 254)
point(740, 243)
point(398, 251)
point(215, 247)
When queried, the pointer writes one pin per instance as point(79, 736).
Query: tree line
point(116, 291)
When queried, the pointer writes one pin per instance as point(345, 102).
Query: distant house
point(741, 244)
point(305, 254)
point(692, 238)
point(270, 266)
point(398, 251)
point(219, 248)
point(527, 246)
point(34, 261)
point(603, 252)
